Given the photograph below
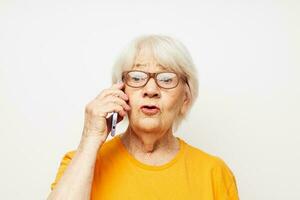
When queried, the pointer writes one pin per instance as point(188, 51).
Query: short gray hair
point(168, 52)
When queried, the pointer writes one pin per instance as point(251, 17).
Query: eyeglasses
point(137, 79)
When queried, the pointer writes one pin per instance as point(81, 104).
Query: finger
point(114, 107)
point(113, 92)
point(102, 108)
point(112, 99)
point(120, 94)
point(120, 102)
point(114, 87)
point(110, 108)
point(119, 86)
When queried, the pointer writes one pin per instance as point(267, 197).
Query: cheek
point(172, 105)
point(131, 96)
point(133, 103)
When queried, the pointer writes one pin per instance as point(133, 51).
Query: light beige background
point(55, 56)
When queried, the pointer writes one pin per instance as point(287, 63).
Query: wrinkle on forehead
point(146, 59)
point(148, 65)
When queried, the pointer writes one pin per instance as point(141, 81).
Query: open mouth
point(150, 109)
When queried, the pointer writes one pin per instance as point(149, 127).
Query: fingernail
point(119, 82)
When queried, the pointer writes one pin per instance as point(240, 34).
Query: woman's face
point(153, 109)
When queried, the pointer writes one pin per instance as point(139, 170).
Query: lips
point(150, 109)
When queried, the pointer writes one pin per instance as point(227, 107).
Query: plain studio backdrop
point(56, 56)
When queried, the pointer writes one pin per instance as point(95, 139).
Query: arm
point(76, 181)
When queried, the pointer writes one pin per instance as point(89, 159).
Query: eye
point(137, 76)
point(166, 78)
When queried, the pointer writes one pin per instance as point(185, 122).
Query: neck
point(149, 143)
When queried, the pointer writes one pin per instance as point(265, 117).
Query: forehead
point(150, 67)
point(145, 60)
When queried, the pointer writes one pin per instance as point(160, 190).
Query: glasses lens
point(136, 78)
point(167, 79)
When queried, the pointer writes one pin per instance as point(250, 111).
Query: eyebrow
point(143, 65)
point(138, 65)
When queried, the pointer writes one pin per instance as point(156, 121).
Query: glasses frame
point(154, 76)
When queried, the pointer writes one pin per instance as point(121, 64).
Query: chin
point(149, 124)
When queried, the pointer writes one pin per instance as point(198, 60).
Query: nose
point(151, 89)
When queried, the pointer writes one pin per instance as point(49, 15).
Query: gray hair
point(168, 52)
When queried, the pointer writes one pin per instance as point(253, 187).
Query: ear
point(186, 101)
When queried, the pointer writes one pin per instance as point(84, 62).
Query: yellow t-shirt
point(191, 174)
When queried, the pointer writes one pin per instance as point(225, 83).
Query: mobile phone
point(114, 123)
point(114, 120)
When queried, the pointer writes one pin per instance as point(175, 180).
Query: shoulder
point(214, 167)
point(206, 161)
point(196, 154)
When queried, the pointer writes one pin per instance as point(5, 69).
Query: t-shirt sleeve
point(224, 182)
point(62, 167)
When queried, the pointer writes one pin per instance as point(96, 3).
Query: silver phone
point(114, 120)
point(114, 123)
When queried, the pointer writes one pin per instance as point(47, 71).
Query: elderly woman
point(158, 87)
